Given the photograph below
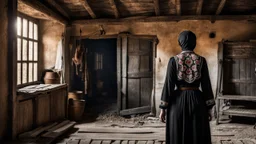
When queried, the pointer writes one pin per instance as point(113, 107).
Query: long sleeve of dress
point(170, 81)
point(206, 86)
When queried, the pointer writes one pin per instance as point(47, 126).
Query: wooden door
point(136, 73)
point(239, 69)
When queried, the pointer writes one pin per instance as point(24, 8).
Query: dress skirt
point(187, 119)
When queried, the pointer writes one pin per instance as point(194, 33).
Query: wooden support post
point(67, 55)
point(178, 7)
point(113, 5)
point(199, 7)
point(156, 5)
point(119, 74)
point(12, 68)
point(36, 4)
point(220, 7)
point(88, 9)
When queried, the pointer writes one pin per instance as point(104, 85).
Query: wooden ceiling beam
point(59, 8)
point(88, 8)
point(157, 9)
point(220, 7)
point(113, 6)
point(37, 5)
point(211, 18)
point(178, 7)
point(199, 7)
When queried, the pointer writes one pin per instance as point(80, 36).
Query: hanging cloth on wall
point(58, 63)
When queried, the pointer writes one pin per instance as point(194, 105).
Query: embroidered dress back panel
point(189, 66)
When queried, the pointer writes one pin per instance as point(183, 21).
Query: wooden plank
point(58, 110)
point(113, 6)
point(119, 72)
point(199, 7)
point(73, 141)
point(85, 141)
point(248, 76)
point(245, 81)
point(25, 116)
point(133, 93)
point(145, 63)
point(44, 9)
point(237, 141)
point(34, 133)
point(133, 64)
point(240, 112)
point(235, 75)
point(59, 8)
point(59, 125)
point(242, 76)
point(124, 71)
point(43, 109)
point(54, 134)
point(106, 142)
point(156, 6)
point(220, 7)
point(141, 142)
point(132, 142)
point(238, 97)
point(120, 137)
point(178, 7)
point(116, 130)
point(226, 142)
point(124, 142)
point(96, 142)
point(164, 19)
point(150, 142)
point(146, 85)
point(137, 110)
point(88, 8)
point(253, 77)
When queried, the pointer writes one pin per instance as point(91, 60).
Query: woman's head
point(187, 40)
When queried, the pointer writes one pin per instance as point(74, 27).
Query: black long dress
point(187, 112)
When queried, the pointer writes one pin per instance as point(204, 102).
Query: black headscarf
point(187, 40)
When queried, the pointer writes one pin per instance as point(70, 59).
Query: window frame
point(21, 61)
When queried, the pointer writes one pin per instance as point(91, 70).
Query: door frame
point(120, 53)
point(119, 64)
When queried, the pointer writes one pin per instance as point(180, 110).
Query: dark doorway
point(101, 62)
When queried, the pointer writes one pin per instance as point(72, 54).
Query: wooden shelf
point(240, 112)
point(238, 97)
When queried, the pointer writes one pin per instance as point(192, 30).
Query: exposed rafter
point(59, 8)
point(37, 5)
point(211, 18)
point(157, 9)
point(220, 7)
point(178, 7)
point(199, 7)
point(88, 8)
point(113, 6)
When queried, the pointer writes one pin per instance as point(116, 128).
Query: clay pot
point(51, 78)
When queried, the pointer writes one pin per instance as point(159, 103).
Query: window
point(27, 50)
point(98, 61)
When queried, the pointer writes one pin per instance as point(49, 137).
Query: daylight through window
point(27, 50)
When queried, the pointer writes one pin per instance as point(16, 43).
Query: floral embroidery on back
point(188, 66)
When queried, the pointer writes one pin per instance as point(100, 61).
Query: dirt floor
point(101, 122)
